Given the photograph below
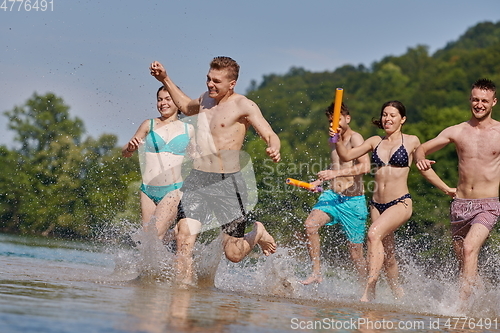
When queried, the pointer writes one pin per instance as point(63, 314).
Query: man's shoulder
point(494, 128)
point(244, 105)
point(496, 124)
point(356, 135)
point(450, 130)
point(241, 99)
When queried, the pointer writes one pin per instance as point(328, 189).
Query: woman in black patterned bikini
point(391, 204)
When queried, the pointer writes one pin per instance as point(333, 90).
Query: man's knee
point(234, 257)
point(312, 225)
point(234, 248)
point(234, 254)
point(470, 250)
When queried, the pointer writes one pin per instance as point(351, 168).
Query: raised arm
point(186, 104)
point(256, 119)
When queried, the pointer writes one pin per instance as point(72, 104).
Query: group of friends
point(179, 208)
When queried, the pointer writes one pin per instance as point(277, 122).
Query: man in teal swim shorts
point(343, 203)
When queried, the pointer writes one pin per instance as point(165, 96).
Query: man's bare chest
point(480, 145)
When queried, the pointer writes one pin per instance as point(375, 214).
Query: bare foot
point(185, 279)
point(369, 294)
point(266, 241)
point(314, 278)
point(398, 292)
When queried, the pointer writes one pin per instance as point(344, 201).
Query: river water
point(65, 286)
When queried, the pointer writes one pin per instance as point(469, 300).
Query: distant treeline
point(55, 182)
point(434, 88)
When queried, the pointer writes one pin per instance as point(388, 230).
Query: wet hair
point(485, 84)
point(344, 110)
point(221, 63)
point(395, 104)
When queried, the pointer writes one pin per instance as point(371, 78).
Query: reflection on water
point(51, 286)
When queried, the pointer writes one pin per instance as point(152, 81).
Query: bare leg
point(236, 249)
point(371, 240)
point(171, 235)
point(382, 225)
point(358, 258)
point(160, 216)
point(188, 229)
point(458, 247)
point(391, 266)
point(472, 243)
point(148, 208)
point(166, 212)
point(314, 221)
point(376, 260)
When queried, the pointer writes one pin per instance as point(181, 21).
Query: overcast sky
point(95, 54)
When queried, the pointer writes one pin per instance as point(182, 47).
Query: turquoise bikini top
point(176, 146)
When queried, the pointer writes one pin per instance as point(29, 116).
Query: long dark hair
point(395, 104)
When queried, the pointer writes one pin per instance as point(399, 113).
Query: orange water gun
point(307, 186)
point(336, 114)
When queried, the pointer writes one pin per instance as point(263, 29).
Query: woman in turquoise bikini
point(162, 143)
point(391, 204)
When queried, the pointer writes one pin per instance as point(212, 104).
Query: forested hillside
point(60, 183)
point(434, 88)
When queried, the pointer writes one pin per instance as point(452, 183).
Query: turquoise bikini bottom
point(157, 193)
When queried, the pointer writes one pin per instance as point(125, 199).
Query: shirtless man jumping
point(215, 183)
point(475, 208)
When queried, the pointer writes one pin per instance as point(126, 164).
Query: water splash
point(429, 277)
point(430, 285)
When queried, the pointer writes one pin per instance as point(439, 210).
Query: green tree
point(434, 88)
point(13, 184)
point(41, 121)
point(66, 186)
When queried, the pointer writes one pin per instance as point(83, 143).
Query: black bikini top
point(398, 159)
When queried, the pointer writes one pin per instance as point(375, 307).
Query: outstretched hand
point(425, 164)
point(327, 175)
point(134, 144)
point(158, 71)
